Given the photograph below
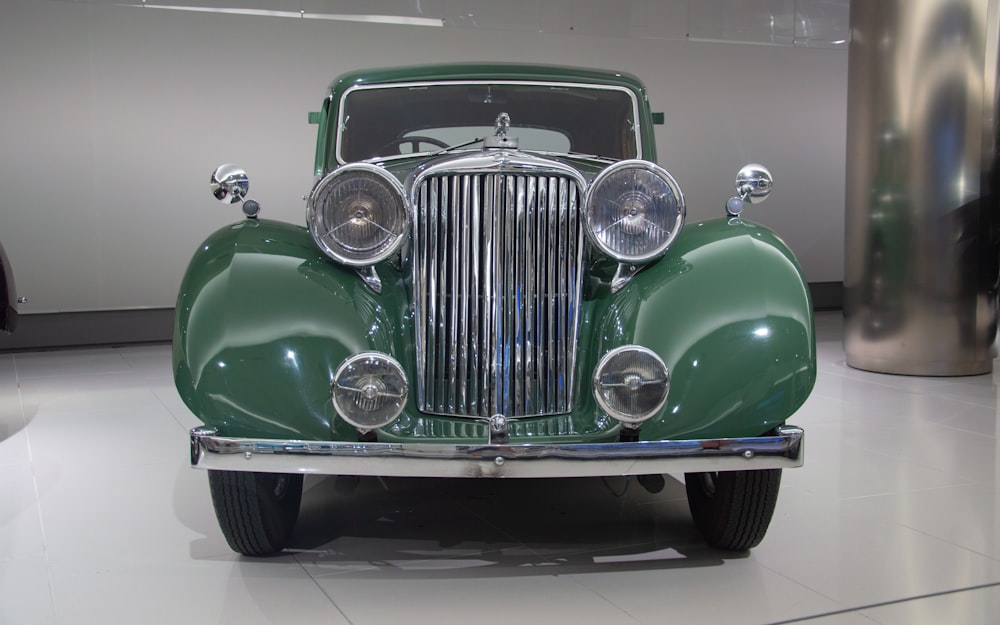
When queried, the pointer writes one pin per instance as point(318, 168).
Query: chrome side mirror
point(230, 184)
point(753, 185)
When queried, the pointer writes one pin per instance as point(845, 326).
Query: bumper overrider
point(783, 449)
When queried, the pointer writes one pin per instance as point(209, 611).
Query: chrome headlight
point(357, 214)
point(634, 211)
point(631, 383)
point(369, 390)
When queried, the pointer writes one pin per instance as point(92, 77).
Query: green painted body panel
point(729, 313)
point(326, 140)
point(264, 319)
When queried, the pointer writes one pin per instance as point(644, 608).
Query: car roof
point(485, 71)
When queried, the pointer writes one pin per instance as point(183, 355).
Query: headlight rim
point(311, 213)
point(614, 169)
point(393, 366)
point(599, 369)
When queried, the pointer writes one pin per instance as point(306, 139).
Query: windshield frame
point(341, 109)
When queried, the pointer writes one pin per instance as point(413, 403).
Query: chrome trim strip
point(342, 120)
point(209, 451)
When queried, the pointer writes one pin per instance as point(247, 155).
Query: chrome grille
point(497, 290)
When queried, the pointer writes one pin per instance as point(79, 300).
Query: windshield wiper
point(596, 157)
point(458, 146)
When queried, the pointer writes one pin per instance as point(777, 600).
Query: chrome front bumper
point(209, 451)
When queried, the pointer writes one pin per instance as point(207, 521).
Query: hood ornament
point(500, 139)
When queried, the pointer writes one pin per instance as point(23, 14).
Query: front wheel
point(732, 509)
point(256, 511)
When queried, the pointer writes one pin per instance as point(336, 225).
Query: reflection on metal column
point(922, 257)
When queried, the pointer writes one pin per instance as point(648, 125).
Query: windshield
point(388, 121)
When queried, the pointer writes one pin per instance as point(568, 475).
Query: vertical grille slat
point(496, 279)
point(551, 277)
point(461, 195)
point(475, 361)
point(530, 295)
point(454, 288)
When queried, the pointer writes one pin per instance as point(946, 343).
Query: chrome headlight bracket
point(369, 390)
point(631, 384)
point(357, 215)
point(633, 211)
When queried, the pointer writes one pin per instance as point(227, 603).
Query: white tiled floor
point(893, 520)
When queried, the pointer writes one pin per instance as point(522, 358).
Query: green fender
point(729, 313)
point(264, 319)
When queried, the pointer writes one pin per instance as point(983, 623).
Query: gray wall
point(112, 118)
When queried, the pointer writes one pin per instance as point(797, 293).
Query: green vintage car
point(495, 279)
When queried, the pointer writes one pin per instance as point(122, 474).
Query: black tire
point(732, 509)
point(256, 511)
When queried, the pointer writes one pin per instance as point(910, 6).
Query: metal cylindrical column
point(921, 255)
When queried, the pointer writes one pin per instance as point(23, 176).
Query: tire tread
point(739, 513)
point(252, 521)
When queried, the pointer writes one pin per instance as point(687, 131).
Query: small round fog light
point(369, 390)
point(631, 383)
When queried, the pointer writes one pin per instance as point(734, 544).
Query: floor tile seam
point(105, 467)
point(41, 528)
point(926, 428)
point(853, 405)
point(184, 428)
point(971, 410)
point(937, 539)
point(967, 404)
point(17, 370)
point(817, 591)
point(968, 407)
point(953, 395)
point(578, 580)
point(883, 604)
point(21, 411)
point(323, 591)
point(895, 394)
point(951, 543)
point(79, 562)
point(915, 491)
point(320, 574)
point(81, 416)
point(867, 449)
point(77, 373)
point(930, 426)
point(951, 427)
point(891, 382)
point(23, 557)
point(825, 395)
point(944, 470)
